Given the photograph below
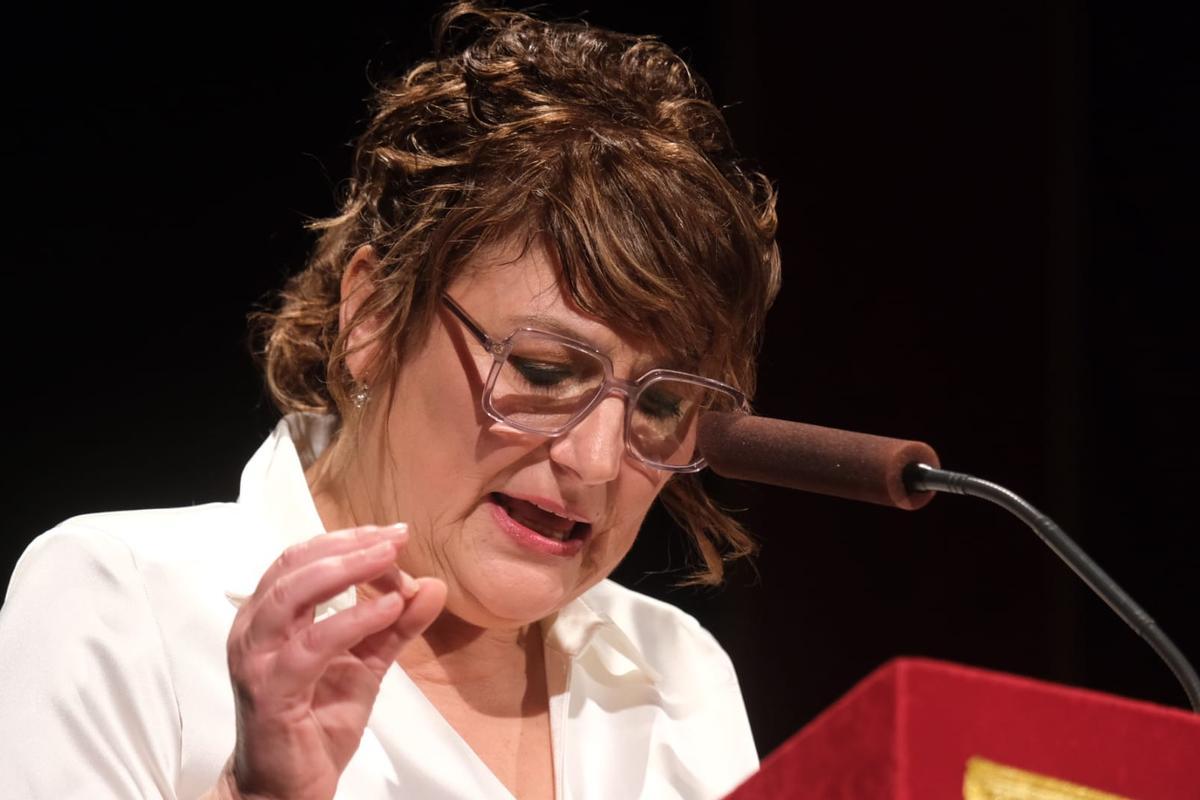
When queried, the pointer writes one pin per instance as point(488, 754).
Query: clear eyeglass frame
point(500, 349)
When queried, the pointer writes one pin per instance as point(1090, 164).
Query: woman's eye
point(660, 405)
point(541, 373)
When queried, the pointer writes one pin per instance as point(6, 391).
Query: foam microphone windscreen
point(857, 466)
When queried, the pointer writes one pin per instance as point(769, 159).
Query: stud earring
point(361, 395)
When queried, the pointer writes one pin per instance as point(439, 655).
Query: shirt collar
point(273, 484)
point(578, 627)
point(275, 491)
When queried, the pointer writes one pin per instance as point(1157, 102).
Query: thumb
point(423, 608)
point(379, 650)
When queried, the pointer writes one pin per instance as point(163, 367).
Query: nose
point(594, 448)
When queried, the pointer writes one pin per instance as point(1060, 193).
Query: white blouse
point(113, 680)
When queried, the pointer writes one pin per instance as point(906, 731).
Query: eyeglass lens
point(544, 384)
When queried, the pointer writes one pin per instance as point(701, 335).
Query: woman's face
point(476, 493)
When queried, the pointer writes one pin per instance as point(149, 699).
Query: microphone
point(855, 466)
point(903, 474)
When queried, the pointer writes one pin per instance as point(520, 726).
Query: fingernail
point(395, 531)
point(408, 585)
point(389, 600)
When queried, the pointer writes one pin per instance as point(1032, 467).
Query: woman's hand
point(304, 689)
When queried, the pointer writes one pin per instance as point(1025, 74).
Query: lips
point(539, 519)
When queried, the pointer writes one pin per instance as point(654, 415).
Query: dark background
point(988, 225)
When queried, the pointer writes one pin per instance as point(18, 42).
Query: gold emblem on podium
point(987, 780)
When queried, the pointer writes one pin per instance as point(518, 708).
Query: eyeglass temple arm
point(465, 319)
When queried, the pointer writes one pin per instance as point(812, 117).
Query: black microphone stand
point(923, 478)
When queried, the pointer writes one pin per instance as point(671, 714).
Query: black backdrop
point(988, 226)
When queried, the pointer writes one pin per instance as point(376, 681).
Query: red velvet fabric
point(906, 731)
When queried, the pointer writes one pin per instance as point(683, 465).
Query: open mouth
point(541, 521)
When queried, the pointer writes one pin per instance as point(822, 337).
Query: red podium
point(917, 729)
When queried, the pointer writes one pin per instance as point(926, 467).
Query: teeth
point(549, 534)
point(552, 511)
point(543, 527)
point(557, 536)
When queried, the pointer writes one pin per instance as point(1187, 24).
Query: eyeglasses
point(546, 384)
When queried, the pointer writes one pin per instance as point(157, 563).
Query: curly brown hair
point(603, 145)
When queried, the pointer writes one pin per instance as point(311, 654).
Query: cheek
point(430, 438)
point(437, 394)
point(635, 494)
point(440, 439)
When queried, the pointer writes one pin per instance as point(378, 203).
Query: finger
point(379, 650)
point(305, 656)
point(288, 603)
point(393, 581)
point(330, 544)
point(423, 608)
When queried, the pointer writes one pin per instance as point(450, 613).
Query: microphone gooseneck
point(924, 478)
point(903, 474)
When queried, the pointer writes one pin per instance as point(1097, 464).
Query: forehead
point(510, 286)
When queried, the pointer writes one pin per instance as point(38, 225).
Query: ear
point(357, 285)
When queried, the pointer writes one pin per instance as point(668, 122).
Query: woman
point(548, 263)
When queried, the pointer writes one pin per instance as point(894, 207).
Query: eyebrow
point(549, 324)
point(555, 325)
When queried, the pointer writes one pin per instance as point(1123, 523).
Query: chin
point(513, 594)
